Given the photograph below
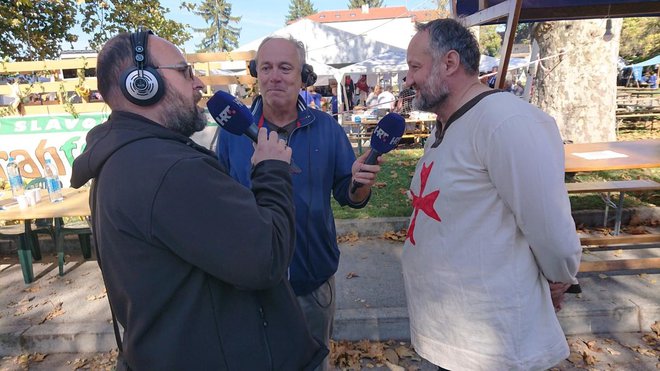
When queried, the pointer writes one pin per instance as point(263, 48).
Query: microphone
point(236, 118)
point(384, 138)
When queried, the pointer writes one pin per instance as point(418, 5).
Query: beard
point(180, 116)
point(432, 94)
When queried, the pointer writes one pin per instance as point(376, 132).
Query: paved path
point(70, 314)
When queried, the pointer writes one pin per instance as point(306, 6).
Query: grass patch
point(388, 195)
point(389, 198)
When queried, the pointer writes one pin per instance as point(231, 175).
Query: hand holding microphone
point(270, 147)
point(384, 138)
point(235, 117)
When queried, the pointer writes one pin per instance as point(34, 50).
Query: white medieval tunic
point(491, 225)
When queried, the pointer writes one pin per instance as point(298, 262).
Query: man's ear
point(452, 61)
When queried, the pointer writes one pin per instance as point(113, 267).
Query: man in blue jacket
point(326, 158)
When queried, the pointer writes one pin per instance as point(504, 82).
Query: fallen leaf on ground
point(351, 275)
point(391, 356)
point(575, 358)
point(349, 237)
point(656, 327)
point(56, 312)
point(38, 357)
point(394, 367)
point(395, 236)
point(613, 352)
point(589, 359)
point(379, 185)
point(32, 289)
point(96, 297)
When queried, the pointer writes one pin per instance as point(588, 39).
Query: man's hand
point(557, 290)
point(270, 147)
point(364, 174)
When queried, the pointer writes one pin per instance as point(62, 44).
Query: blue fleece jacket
point(323, 152)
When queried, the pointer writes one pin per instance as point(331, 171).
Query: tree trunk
point(578, 85)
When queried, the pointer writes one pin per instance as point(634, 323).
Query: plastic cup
point(31, 195)
point(22, 202)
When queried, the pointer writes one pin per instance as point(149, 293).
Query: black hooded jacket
point(194, 263)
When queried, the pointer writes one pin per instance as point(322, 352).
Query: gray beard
point(432, 95)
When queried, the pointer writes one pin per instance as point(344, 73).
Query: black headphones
point(307, 74)
point(141, 84)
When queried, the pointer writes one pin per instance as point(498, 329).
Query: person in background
point(194, 263)
point(363, 89)
point(493, 79)
point(350, 91)
point(491, 246)
point(334, 106)
point(311, 97)
point(322, 150)
point(653, 80)
point(386, 100)
point(372, 99)
point(404, 103)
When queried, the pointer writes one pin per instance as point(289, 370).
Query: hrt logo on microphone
point(385, 136)
point(224, 116)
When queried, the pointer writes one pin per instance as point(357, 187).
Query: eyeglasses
point(187, 69)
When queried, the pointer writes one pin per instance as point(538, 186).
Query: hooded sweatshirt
point(194, 263)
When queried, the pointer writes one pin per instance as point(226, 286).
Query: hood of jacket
point(120, 129)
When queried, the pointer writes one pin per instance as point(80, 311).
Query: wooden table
point(75, 203)
point(612, 155)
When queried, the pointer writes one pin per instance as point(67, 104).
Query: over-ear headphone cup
point(308, 75)
point(144, 88)
point(252, 67)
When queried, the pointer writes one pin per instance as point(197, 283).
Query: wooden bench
point(621, 186)
point(638, 241)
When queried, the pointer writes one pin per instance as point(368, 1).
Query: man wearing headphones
point(187, 277)
point(328, 166)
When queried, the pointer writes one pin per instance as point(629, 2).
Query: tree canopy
point(33, 30)
point(104, 19)
point(220, 35)
point(641, 39)
point(489, 40)
point(299, 9)
point(352, 4)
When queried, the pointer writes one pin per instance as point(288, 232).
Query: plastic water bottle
point(15, 179)
point(53, 182)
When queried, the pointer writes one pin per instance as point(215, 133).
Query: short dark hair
point(115, 57)
point(448, 34)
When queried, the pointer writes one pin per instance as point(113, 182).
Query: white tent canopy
point(486, 63)
point(323, 71)
point(327, 44)
point(390, 61)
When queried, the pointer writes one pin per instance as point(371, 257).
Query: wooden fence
point(77, 95)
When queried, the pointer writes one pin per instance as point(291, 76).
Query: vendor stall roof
point(549, 10)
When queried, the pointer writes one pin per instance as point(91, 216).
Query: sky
point(260, 17)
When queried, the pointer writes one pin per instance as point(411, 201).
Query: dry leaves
point(366, 354)
point(350, 237)
point(396, 236)
point(97, 297)
point(55, 312)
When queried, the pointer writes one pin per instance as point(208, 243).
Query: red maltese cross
point(423, 203)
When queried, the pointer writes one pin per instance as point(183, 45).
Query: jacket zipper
point(265, 324)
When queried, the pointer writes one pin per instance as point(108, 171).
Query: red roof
point(348, 15)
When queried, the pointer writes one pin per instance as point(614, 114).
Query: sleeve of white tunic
point(525, 161)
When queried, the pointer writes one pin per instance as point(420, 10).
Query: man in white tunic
point(491, 245)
